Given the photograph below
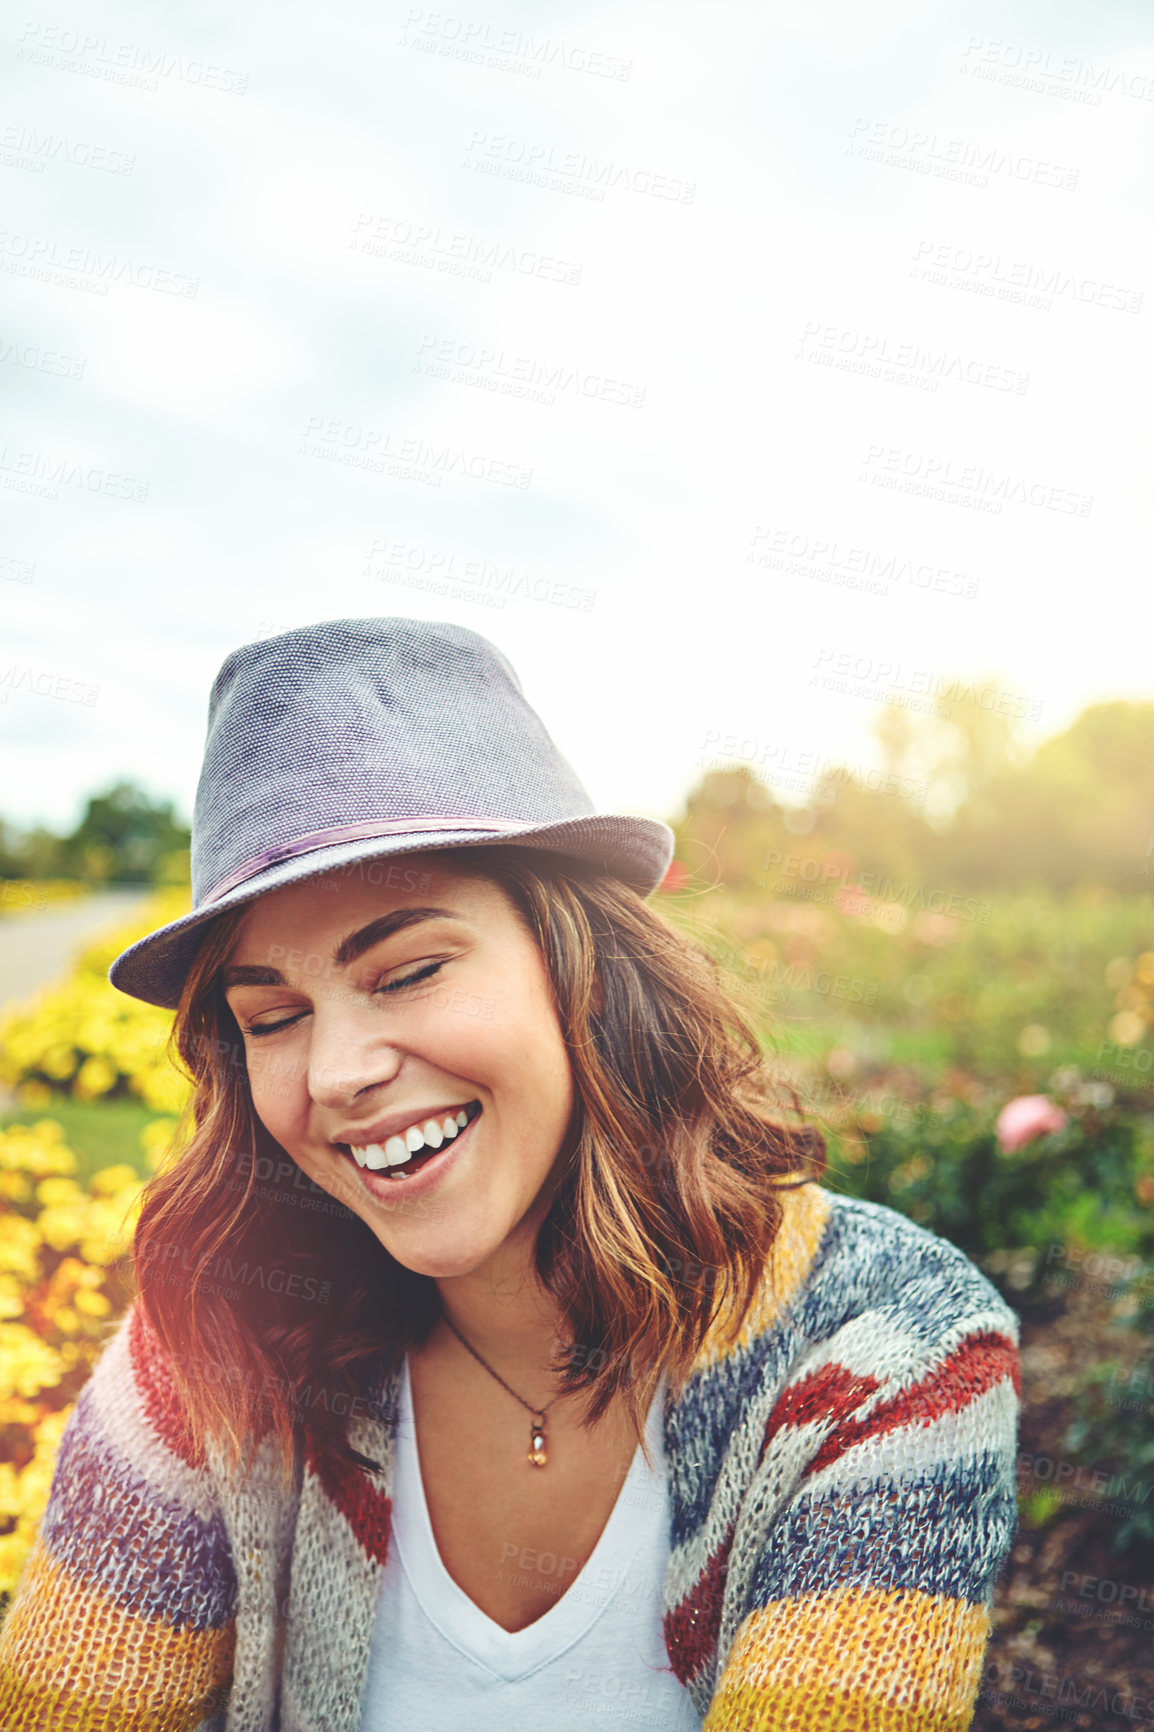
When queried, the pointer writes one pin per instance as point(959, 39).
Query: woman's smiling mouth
point(410, 1147)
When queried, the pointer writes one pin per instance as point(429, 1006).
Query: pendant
point(537, 1445)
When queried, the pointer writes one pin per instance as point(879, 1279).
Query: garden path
point(38, 948)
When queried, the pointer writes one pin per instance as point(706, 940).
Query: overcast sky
point(735, 367)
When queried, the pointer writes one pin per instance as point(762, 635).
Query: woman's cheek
point(283, 1058)
point(275, 1083)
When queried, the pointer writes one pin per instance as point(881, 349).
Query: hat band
point(353, 833)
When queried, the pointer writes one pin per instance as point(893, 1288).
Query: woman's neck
point(505, 1313)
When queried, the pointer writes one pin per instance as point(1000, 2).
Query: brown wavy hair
point(277, 1307)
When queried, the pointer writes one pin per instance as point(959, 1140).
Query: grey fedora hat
point(355, 738)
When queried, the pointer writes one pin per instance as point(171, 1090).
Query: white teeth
point(397, 1150)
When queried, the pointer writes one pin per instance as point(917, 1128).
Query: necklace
point(537, 1440)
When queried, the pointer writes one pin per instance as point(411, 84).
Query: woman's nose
point(348, 1053)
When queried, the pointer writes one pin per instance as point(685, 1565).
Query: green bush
point(1076, 1188)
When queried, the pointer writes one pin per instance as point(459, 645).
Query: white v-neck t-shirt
point(596, 1657)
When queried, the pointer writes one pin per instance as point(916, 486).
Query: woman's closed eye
point(424, 973)
point(419, 974)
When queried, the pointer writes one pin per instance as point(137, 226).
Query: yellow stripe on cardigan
point(853, 1660)
point(52, 1667)
point(805, 1211)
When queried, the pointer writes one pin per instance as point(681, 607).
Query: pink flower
point(1027, 1117)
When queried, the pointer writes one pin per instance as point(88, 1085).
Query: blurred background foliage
point(915, 946)
point(959, 802)
point(123, 837)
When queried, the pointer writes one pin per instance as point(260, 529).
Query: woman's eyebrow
point(358, 942)
point(348, 950)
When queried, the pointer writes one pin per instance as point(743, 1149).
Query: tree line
point(959, 802)
point(123, 837)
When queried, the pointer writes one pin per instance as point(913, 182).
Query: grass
point(99, 1133)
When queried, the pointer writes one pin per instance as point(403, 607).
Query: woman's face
point(379, 1006)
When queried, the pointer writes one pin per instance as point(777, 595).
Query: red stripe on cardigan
point(974, 1367)
point(831, 1393)
point(691, 1629)
point(157, 1391)
point(349, 1489)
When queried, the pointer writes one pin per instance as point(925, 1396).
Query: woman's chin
point(443, 1256)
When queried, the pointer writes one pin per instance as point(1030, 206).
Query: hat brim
point(636, 850)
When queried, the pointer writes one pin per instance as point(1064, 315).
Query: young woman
point(497, 1356)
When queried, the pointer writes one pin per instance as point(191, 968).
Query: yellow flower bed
point(85, 1039)
point(64, 1269)
point(64, 1278)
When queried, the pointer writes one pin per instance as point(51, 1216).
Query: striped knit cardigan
point(842, 1488)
